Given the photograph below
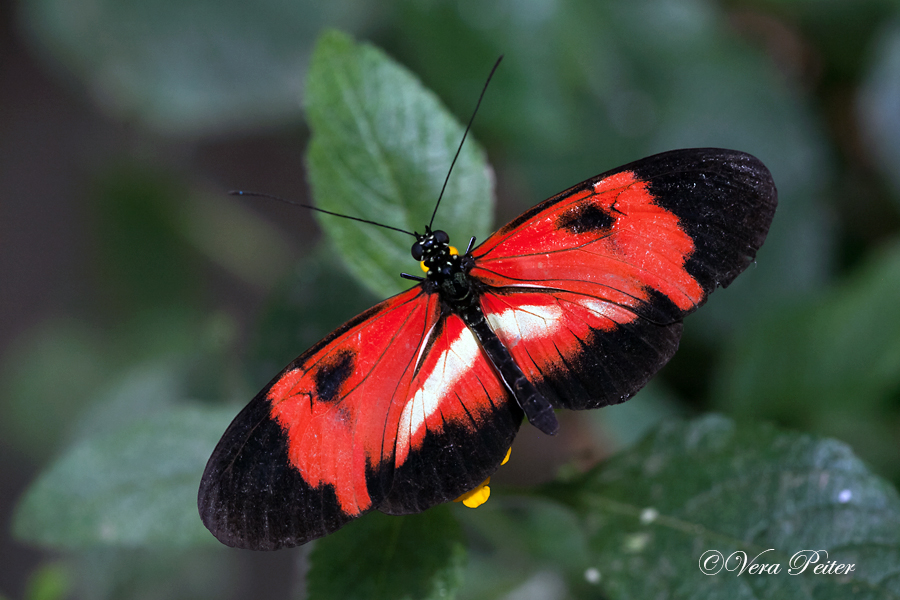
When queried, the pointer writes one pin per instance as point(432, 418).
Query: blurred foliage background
point(130, 283)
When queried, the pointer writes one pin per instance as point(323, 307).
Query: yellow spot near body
point(478, 496)
point(453, 251)
point(424, 268)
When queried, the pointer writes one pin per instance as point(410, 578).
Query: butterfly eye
point(441, 237)
point(417, 251)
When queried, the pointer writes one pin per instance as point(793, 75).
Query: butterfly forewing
point(587, 289)
point(361, 421)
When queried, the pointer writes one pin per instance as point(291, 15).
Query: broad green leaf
point(134, 487)
point(140, 392)
point(190, 66)
point(63, 381)
point(413, 557)
point(380, 150)
point(833, 367)
point(708, 485)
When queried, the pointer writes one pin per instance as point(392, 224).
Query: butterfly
point(575, 304)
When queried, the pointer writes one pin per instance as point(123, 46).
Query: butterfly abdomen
point(537, 408)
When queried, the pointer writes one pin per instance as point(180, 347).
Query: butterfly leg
point(537, 409)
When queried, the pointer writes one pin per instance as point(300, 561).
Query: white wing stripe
point(450, 367)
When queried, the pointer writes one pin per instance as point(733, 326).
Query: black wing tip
point(726, 200)
point(260, 519)
point(251, 497)
point(225, 516)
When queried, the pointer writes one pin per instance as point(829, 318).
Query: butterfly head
point(435, 254)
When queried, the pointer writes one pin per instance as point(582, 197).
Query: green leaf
point(833, 367)
point(380, 150)
point(134, 487)
point(380, 556)
point(709, 485)
point(113, 573)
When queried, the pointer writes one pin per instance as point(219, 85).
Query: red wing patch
point(609, 241)
point(354, 421)
point(334, 436)
point(454, 384)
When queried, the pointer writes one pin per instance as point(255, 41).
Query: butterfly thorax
point(445, 270)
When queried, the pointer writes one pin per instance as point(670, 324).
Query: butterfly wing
point(587, 289)
point(397, 410)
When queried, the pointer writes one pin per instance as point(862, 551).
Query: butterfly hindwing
point(457, 427)
point(397, 410)
point(587, 289)
point(579, 351)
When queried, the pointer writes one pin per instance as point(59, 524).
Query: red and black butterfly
point(575, 304)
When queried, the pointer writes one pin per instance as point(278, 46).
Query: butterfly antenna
point(321, 210)
point(465, 133)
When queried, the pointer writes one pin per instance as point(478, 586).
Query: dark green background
point(130, 283)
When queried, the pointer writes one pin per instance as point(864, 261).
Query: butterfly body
point(575, 304)
point(448, 276)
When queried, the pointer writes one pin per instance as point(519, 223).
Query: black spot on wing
point(585, 218)
point(542, 206)
point(331, 375)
